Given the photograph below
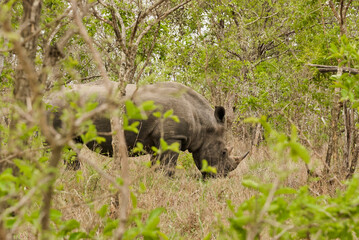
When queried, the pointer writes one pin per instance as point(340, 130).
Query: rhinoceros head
point(217, 155)
point(214, 149)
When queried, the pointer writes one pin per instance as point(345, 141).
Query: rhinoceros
point(200, 130)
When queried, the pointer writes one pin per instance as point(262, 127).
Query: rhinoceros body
point(200, 129)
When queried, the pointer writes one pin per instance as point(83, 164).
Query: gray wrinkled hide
point(130, 89)
point(200, 130)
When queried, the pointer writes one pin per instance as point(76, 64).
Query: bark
point(333, 139)
point(257, 135)
point(332, 152)
point(130, 45)
point(354, 161)
point(2, 58)
point(121, 160)
point(328, 68)
point(30, 26)
point(45, 211)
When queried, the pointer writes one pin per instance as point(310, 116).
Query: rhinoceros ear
point(219, 113)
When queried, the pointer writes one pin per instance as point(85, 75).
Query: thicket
point(295, 62)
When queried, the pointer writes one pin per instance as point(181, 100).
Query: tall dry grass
point(194, 207)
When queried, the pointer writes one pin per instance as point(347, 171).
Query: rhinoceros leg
point(168, 159)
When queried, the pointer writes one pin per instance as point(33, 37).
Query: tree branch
point(90, 43)
point(147, 29)
point(328, 68)
point(336, 15)
point(148, 54)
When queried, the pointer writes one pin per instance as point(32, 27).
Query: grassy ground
point(194, 208)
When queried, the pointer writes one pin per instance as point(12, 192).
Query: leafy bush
point(288, 213)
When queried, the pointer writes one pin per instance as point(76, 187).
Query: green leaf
point(133, 112)
point(79, 176)
point(286, 190)
point(110, 226)
point(132, 127)
point(133, 200)
point(157, 114)
point(207, 168)
point(298, 150)
point(168, 113)
point(138, 148)
point(241, 220)
point(163, 144)
point(55, 215)
point(208, 236)
point(69, 226)
point(293, 136)
point(174, 147)
point(250, 184)
point(103, 211)
point(154, 219)
point(155, 150)
point(148, 105)
point(78, 235)
point(175, 118)
point(9, 222)
point(251, 120)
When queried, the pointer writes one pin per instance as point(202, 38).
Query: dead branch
point(93, 164)
point(45, 210)
point(103, 107)
point(148, 54)
point(27, 65)
point(118, 142)
point(90, 43)
point(328, 68)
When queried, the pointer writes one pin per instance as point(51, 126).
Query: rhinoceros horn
point(239, 159)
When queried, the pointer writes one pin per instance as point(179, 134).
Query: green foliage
point(91, 135)
point(249, 55)
point(348, 53)
point(185, 160)
point(149, 229)
point(296, 214)
point(280, 142)
point(136, 113)
point(289, 213)
point(174, 147)
point(208, 169)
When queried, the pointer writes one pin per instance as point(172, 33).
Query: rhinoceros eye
point(224, 152)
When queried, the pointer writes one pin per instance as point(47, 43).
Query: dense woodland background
point(294, 62)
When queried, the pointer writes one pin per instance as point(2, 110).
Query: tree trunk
point(332, 151)
point(29, 26)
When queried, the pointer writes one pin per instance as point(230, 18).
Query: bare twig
point(100, 109)
point(147, 29)
point(26, 64)
point(255, 230)
point(119, 142)
point(328, 68)
point(148, 54)
point(120, 153)
point(93, 164)
point(90, 43)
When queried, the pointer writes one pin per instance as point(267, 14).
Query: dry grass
point(193, 207)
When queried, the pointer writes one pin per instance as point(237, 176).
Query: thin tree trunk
point(333, 139)
point(30, 25)
point(340, 15)
point(257, 135)
point(45, 211)
point(354, 161)
point(348, 135)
